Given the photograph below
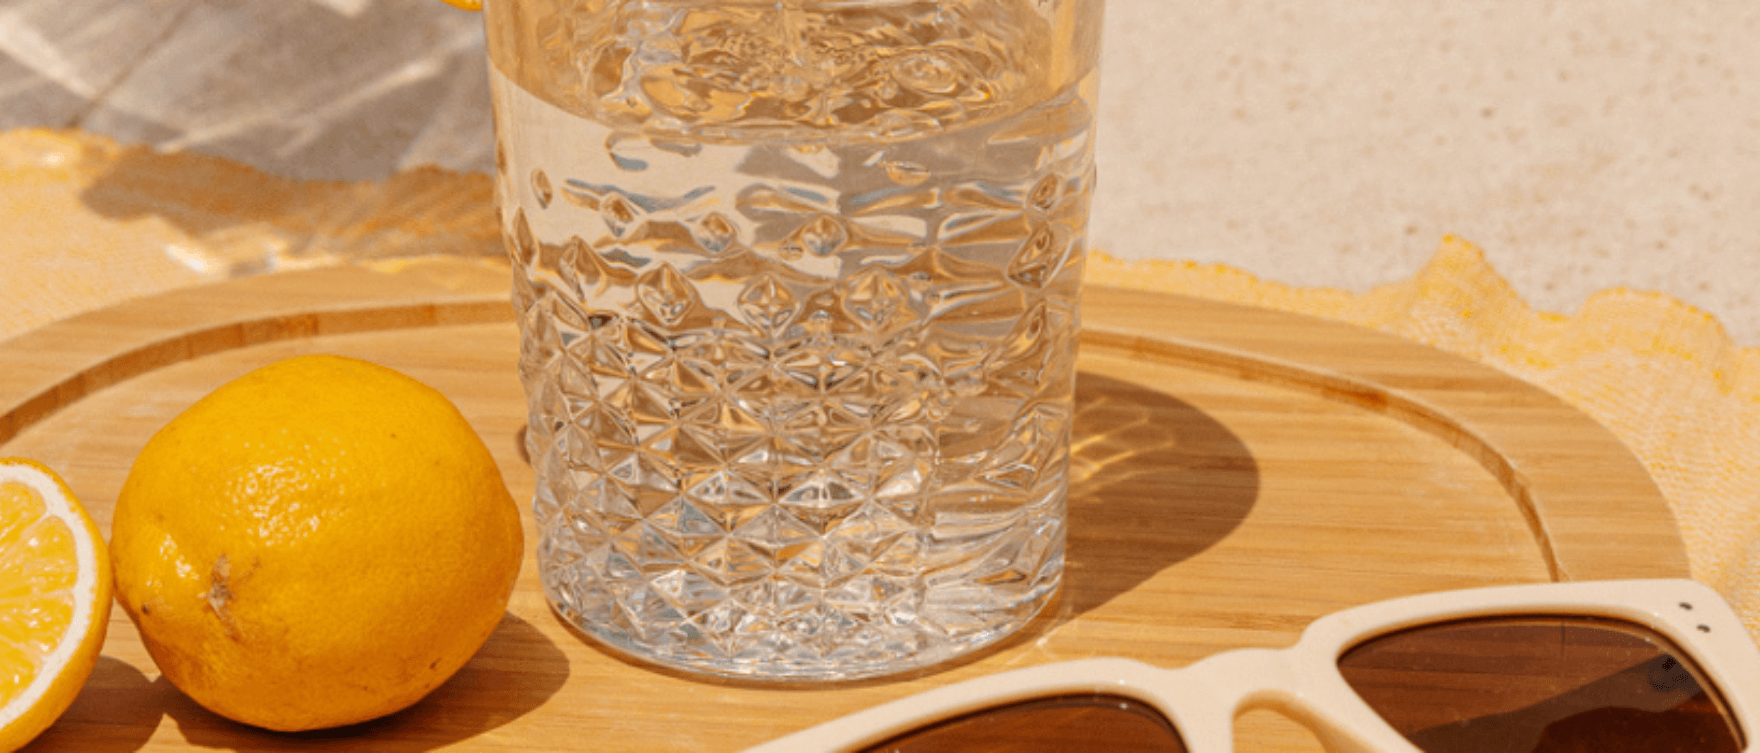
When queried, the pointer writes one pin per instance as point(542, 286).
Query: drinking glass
point(798, 287)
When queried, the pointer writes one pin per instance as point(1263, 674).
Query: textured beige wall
point(1581, 144)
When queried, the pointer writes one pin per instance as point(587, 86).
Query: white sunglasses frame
point(1303, 681)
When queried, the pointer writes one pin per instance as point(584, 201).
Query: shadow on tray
point(1153, 481)
point(516, 671)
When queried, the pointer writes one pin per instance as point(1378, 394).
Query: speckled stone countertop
point(1582, 145)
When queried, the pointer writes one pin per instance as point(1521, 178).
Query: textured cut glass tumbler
point(798, 289)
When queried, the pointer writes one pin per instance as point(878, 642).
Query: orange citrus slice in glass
point(54, 599)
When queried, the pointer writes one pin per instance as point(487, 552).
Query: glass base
point(790, 655)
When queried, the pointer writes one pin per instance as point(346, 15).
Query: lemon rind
point(56, 498)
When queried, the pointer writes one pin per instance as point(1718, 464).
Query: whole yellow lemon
point(320, 542)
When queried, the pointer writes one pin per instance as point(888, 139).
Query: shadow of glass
point(516, 671)
point(117, 710)
point(1153, 481)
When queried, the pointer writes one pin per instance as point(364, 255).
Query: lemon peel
point(320, 542)
point(55, 609)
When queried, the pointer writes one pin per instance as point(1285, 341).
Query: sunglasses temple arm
point(1236, 682)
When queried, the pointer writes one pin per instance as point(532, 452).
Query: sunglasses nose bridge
point(1236, 682)
point(1217, 689)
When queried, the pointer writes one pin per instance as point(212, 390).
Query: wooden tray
point(1238, 472)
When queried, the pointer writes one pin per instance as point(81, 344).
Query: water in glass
point(798, 286)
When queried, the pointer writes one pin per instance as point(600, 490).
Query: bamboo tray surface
point(1238, 472)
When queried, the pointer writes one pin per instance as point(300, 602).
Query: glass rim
point(1202, 699)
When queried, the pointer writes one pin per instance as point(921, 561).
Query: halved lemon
point(54, 599)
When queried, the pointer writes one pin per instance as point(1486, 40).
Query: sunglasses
point(1608, 666)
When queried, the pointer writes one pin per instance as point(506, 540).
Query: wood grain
point(1237, 473)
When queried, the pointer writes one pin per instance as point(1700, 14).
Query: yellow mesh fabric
point(92, 223)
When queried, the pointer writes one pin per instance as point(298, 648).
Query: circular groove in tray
point(1444, 395)
point(1397, 404)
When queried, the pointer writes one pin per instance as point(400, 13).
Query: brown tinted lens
point(1099, 723)
point(1540, 685)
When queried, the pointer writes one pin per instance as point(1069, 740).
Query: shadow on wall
point(314, 89)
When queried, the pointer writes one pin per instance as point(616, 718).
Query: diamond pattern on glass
point(814, 420)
